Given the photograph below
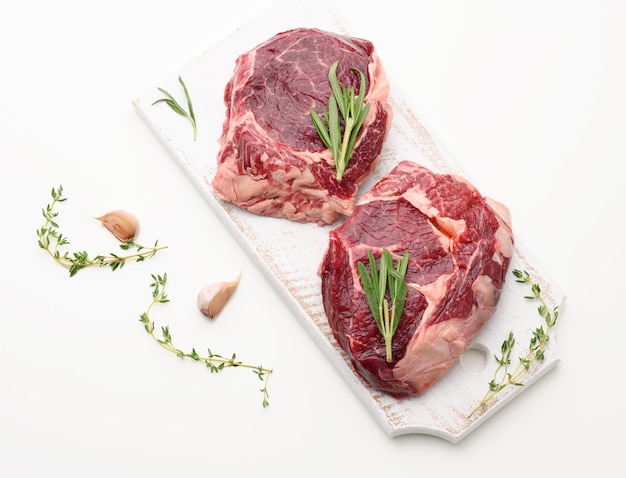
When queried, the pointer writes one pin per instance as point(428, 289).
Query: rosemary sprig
point(383, 279)
point(215, 363)
point(502, 377)
point(345, 101)
point(173, 104)
point(51, 240)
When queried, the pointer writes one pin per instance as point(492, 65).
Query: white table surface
point(528, 97)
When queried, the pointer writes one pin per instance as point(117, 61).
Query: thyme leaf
point(175, 106)
point(51, 240)
point(382, 281)
point(343, 100)
point(503, 376)
point(214, 362)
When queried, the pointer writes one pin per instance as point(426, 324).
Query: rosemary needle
point(343, 100)
point(175, 106)
point(383, 279)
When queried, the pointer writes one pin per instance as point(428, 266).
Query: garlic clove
point(213, 298)
point(122, 224)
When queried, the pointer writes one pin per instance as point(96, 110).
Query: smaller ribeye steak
point(271, 159)
point(460, 245)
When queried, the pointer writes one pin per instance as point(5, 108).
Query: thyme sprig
point(51, 240)
point(502, 377)
point(216, 363)
point(175, 106)
point(342, 100)
point(385, 278)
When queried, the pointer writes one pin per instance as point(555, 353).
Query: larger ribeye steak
point(271, 160)
point(460, 246)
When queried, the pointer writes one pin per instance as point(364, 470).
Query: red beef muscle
point(271, 160)
point(460, 245)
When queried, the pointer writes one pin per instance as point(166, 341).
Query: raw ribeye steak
point(460, 246)
point(271, 159)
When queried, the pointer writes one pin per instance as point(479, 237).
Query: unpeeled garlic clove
point(122, 224)
point(213, 298)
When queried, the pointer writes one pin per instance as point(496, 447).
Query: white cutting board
point(290, 253)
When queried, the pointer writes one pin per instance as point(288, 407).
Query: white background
point(527, 96)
